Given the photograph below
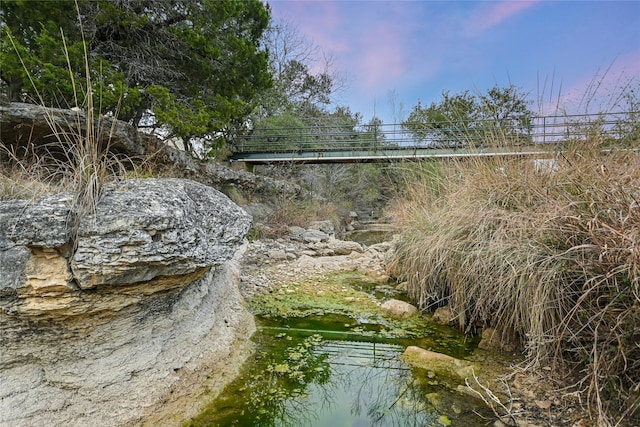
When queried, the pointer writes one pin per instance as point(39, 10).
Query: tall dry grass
point(75, 157)
point(550, 257)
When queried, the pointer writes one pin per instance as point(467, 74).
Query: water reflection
point(370, 385)
point(303, 378)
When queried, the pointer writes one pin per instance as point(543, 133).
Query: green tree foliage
point(303, 88)
point(440, 122)
point(281, 132)
point(294, 113)
point(196, 65)
point(42, 58)
point(499, 116)
point(505, 112)
point(297, 113)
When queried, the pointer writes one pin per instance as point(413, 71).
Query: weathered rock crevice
point(130, 326)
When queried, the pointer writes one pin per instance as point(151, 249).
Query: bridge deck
point(384, 143)
point(385, 155)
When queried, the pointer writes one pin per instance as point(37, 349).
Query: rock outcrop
point(122, 318)
point(268, 262)
point(26, 127)
point(22, 124)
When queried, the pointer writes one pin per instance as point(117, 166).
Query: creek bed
point(335, 369)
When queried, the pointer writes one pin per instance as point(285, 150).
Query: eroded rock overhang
point(122, 313)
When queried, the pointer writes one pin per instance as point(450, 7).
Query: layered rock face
point(125, 317)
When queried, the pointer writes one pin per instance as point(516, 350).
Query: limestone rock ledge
point(129, 321)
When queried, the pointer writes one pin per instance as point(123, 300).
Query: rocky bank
point(517, 395)
point(126, 316)
point(301, 253)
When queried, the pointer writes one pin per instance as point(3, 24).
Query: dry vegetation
point(550, 257)
point(73, 158)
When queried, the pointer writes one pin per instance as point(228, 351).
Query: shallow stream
point(333, 368)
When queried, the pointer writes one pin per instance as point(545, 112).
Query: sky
point(396, 53)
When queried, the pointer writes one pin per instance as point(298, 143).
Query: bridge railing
point(622, 127)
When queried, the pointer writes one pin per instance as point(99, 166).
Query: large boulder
point(150, 228)
point(151, 232)
point(439, 364)
point(119, 316)
point(398, 309)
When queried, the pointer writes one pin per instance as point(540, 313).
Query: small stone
point(324, 226)
point(463, 389)
point(314, 236)
point(543, 404)
point(403, 287)
point(492, 339)
point(444, 315)
point(277, 254)
point(434, 398)
point(440, 364)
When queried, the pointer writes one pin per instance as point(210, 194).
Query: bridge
point(540, 137)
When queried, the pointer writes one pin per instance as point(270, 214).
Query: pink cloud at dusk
point(371, 52)
point(379, 57)
point(495, 13)
point(319, 22)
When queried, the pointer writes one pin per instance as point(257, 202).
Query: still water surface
point(317, 372)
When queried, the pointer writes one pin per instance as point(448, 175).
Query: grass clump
point(549, 257)
point(23, 182)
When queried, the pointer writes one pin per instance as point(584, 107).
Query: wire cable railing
point(474, 134)
point(537, 136)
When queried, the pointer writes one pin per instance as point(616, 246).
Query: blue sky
point(553, 50)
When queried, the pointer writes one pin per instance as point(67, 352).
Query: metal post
point(375, 137)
